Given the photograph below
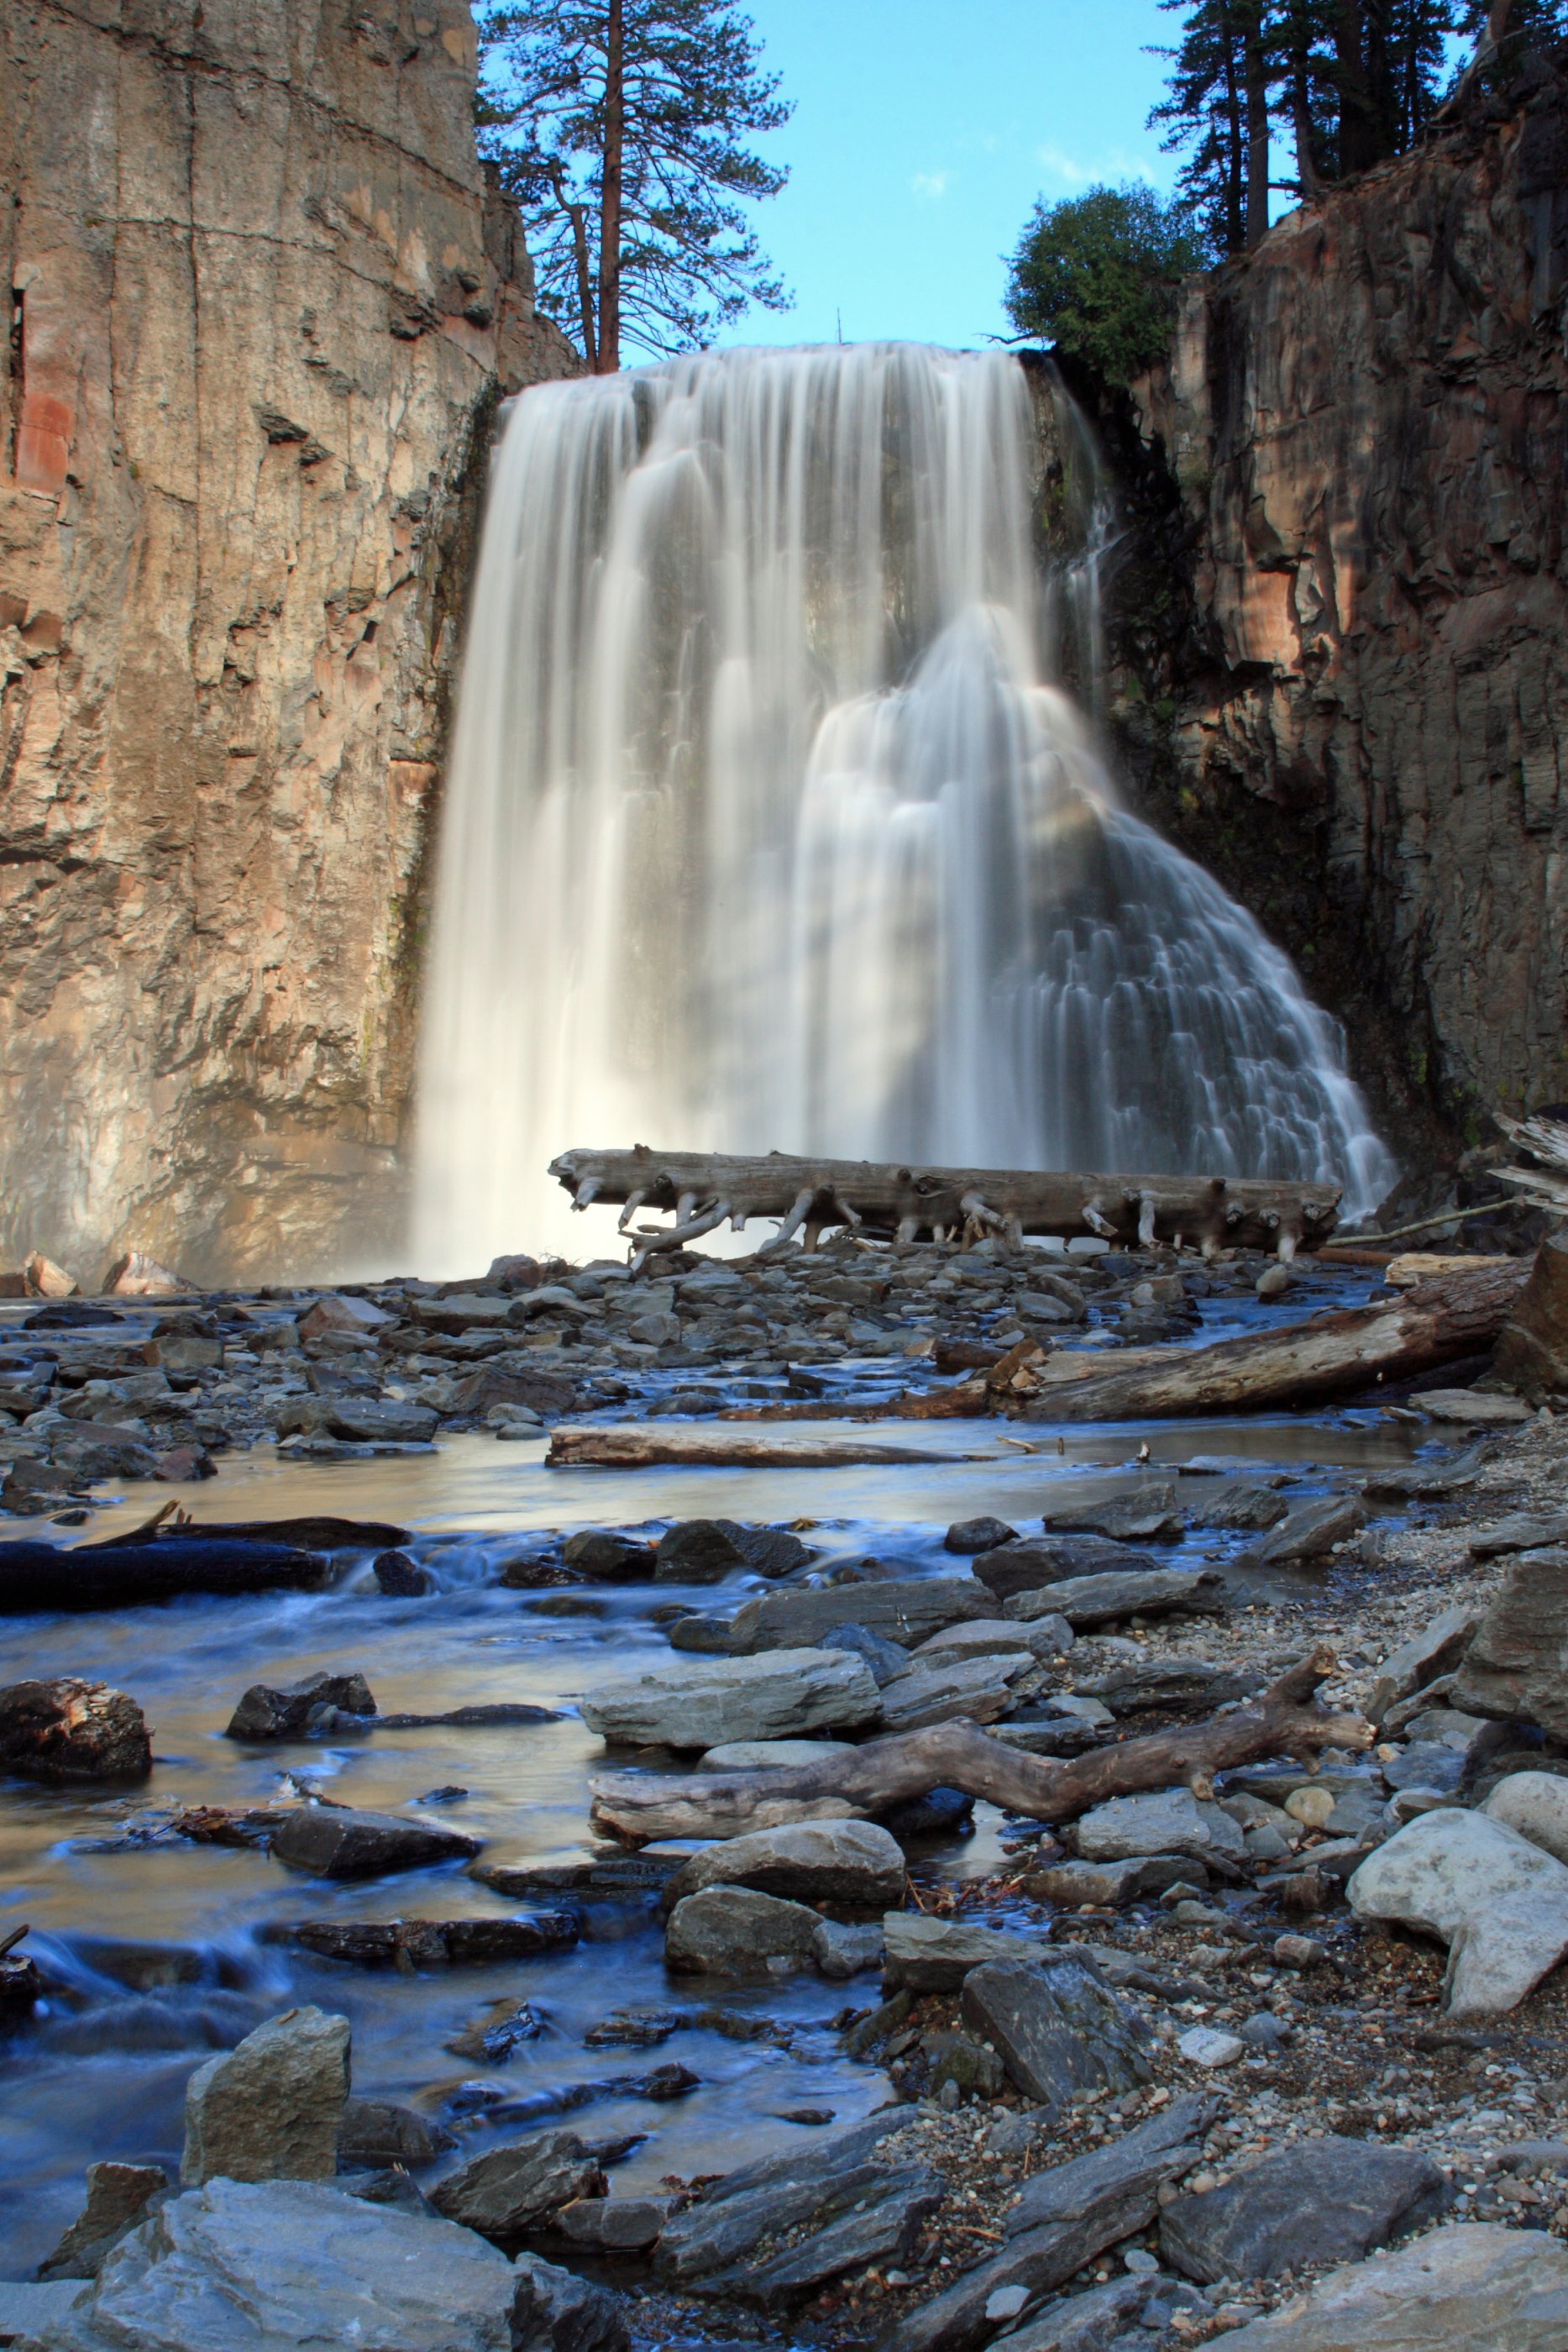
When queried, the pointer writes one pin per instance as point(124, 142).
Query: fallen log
point(637, 1807)
point(318, 1533)
point(706, 1189)
point(626, 1447)
point(39, 1577)
point(1302, 1363)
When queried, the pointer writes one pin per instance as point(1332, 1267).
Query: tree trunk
point(637, 1807)
point(607, 358)
point(1256, 71)
point(1235, 161)
point(1357, 140)
point(707, 1188)
point(587, 323)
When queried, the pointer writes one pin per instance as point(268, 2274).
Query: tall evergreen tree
point(620, 127)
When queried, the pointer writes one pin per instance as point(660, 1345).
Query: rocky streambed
point(949, 2077)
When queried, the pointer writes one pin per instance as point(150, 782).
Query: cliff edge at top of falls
point(262, 298)
point(1339, 634)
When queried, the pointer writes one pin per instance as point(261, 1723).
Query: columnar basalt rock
point(262, 298)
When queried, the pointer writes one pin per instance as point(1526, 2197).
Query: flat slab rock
point(1517, 1665)
point(852, 1864)
point(1086, 1600)
point(936, 1955)
point(1500, 1903)
point(330, 1841)
point(1470, 2285)
point(778, 1697)
point(729, 1931)
point(1163, 1821)
point(1057, 2027)
point(903, 1609)
point(1322, 2201)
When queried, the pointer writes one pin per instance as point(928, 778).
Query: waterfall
point(768, 828)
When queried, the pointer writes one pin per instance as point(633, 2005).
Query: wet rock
point(929, 1955)
point(330, 1841)
point(509, 2192)
point(1100, 1599)
point(374, 1421)
point(1163, 1821)
point(1534, 1805)
point(553, 2310)
point(1026, 1566)
point(614, 2225)
point(609, 1557)
point(1322, 2200)
point(784, 1693)
point(978, 1535)
point(1513, 1669)
point(902, 1609)
point(118, 2197)
point(619, 1875)
point(1499, 1904)
point(263, 2262)
point(1251, 1509)
point(271, 2109)
point(1071, 1884)
point(434, 1943)
point(496, 2036)
point(696, 1551)
point(1147, 1516)
point(376, 2132)
point(635, 2029)
point(884, 1659)
point(852, 1864)
point(1056, 2026)
point(400, 1577)
point(1310, 1532)
point(728, 1931)
point(1467, 2284)
point(709, 1636)
point(289, 1713)
point(1435, 1649)
point(72, 1730)
point(484, 1711)
point(842, 1952)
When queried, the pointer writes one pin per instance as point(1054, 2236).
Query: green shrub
point(1099, 275)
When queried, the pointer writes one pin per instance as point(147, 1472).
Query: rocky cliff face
point(1342, 632)
point(261, 302)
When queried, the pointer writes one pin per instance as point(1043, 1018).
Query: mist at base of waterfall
point(768, 828)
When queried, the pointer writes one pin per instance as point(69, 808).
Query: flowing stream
point(769, 828)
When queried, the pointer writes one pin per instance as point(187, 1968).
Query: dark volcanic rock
point(265, 1713)
point(1322, 2201)
point(329, 1841)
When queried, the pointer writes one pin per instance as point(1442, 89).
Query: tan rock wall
point(1366, 726)
point(262, 303)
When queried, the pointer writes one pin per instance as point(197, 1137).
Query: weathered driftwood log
point(1286, 1721)
point(704, 1188)
point(1304, 1363)
point(622, 1447)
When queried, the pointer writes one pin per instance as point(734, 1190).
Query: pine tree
point(618, 126)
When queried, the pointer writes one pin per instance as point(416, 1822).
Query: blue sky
point(923, 131)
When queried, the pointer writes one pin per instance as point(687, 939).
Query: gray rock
point(118, 2197)
point(553, 2310)
point(777, 2193)
point(854, 1864)
point(49, 2317)
point(1320, 2201)
point(1498, 1902)
point(969, 1536)
point(609, 1557)
point(1434, 1651)
point(696, 1551)
point(975, 1689)
point(1148, 1514)
point(1251, 1509)
point(272, 2108)
point(1064, 2218)
point(1073, 1883)
point(772, 1697)
point(1424, 1764)
point(1534, 1805)
point(1310, 1532)
point(1085, 2322)
point(728, 1931)
point(370, 1420)
point(268, 1713)
point(1058, 2028)
point(883, 1658)
point(981, 1637)
point(1519, 1532)
point(1515, 1666)
point(1025, 1566)
point(842, 1952)
point(1190, 1685)
point(1099, 1600)
point(904, 1609)
point(936, 1955)
point(612, 2225)
point(768, 1755)
point(330, 1841)
point(375, 2133)
point(1466, 2286)
point(510, 2191)
point(1163, 1821)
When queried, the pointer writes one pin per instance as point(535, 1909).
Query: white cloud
point(931, 184)
point(1115, 166)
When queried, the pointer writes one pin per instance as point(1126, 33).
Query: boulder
point(553, 2310)
point(696, 1551)
point(904, 1609)
point(1533, 1353)
point(118, 2198)
point(1099, 1600)
point(1466, 2286)
point(47, 1280)
point(72, 1730)
point(1517, 1664)
point(1025, 1566)
point(271, 2109)
point(1148, 1514)
point(785, 1693)
point(936, 1955)
point(338, 1310)
point(728, 1931)
point(981, 1637)
point(1162, 1821)
point(1320, 2201)
point(1498, 1902)
point(1436, 1648)
point(1534, 1805)
point(842, 1952)
point(1310, 1532)
point(850, 1863)
point(381, 1420)
point(400, 1578)
point(1106, 2315)
point(289, 1711)
point(296, 2263)
point(508, 2191)
point(1058, 2026)
point(375, 2133)
point(136, 1276)
point(1071, 1884)
point(331, 1842)
point(609, 1557)
point(970, 1535)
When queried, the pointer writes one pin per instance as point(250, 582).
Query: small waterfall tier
point(768, 826)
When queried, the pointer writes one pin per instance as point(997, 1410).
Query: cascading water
point(764, 830)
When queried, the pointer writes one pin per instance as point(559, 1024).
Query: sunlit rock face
point(262, 303)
